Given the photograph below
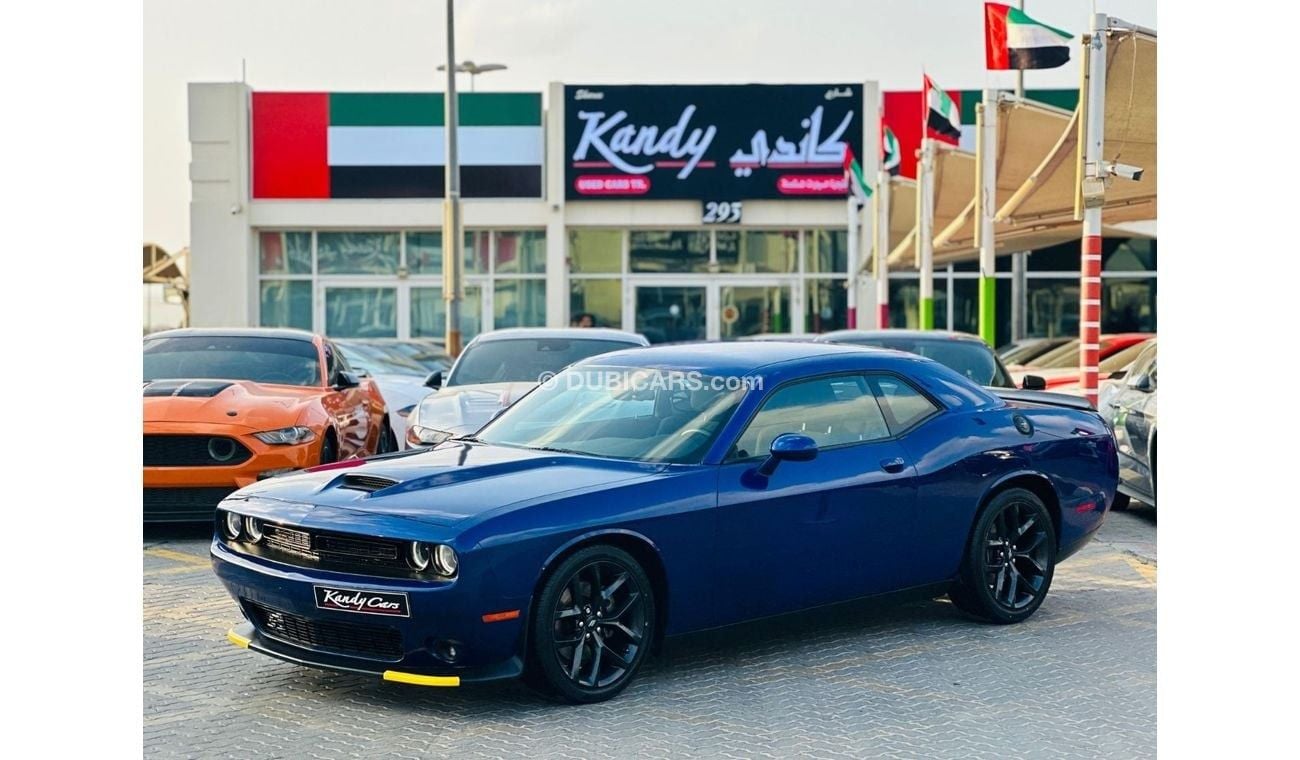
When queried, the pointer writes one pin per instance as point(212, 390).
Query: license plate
point(363, 601)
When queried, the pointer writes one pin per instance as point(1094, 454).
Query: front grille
point(193, 451)
point(375, 641)
point(182, 504)
point(332, 551)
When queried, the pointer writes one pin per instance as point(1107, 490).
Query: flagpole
point(882, 248)
point(853, 255)
point(986, 150)
point(1090, 271)
point(1020, 73)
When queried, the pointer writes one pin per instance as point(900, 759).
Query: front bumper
point(191, 493)
point(440, 613)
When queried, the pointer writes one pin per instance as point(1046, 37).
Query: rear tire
point(1010, 559)
point(592, 626)
point(1121, 502)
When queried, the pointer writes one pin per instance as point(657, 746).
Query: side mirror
point(791, 447)
point(434, 380)
point(345, 380)
point(1118, 374)
point(1033, 383)
point(1143, 383)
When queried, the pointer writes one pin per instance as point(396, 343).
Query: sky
point(396, 45)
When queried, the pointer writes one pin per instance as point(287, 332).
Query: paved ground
point(1077, 680)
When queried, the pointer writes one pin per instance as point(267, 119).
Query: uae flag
point(392, 145)
point(853, 175)
point(1013, 40)
point(942, 117)
point(891, 157)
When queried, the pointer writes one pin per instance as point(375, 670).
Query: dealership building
point(681, 212)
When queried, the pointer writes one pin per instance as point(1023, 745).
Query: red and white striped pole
point(1094, 175)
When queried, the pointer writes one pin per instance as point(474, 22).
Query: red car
point(1060, 366)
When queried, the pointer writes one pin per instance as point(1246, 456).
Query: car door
point(821, 531)
point(1134, 422)
point(346, 405)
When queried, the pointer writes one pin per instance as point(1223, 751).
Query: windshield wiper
point(471, 438)
point(558, 451)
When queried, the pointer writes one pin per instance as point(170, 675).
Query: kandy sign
point(709, 142)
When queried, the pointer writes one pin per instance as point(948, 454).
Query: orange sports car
point(225, 408)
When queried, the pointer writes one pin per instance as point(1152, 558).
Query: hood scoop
point(366, 483)
point(187, 388)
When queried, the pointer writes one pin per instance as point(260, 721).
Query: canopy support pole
point(925, 233)
point(986, 171)
point(1090, 271)
point(882, 248)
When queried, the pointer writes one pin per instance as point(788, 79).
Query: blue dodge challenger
point(652, 492)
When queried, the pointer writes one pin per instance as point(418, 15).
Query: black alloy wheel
point(593, 624)
point(1010, 560)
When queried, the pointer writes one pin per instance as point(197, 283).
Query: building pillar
point(223, 248)
point(557, 238)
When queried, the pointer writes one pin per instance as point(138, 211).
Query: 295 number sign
point(722, 212)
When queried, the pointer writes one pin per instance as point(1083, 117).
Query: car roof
point(235, 332)
point(845, 335)
point(732, 357)
point(572, 333)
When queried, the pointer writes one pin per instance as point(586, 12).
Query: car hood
point(461, 409)
point(227, 402)
point(446, 485)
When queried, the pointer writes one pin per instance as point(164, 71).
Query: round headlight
point(253, 529)
point(445, 560)
point(418, 557)
point(232, 525)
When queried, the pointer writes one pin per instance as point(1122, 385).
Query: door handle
point(894, 465)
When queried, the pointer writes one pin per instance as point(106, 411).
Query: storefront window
point(1051, 307)
point(669, 314)
point(669, 251)
point(757, 251)
point(286, 303)
point(595, 251)
point(357, 252)
point(424, 252)
point(754, 310)
point(361, 312)
point(966, 308)
point(1132, 255)
point(905, 303)
point(521, 252)
point(826, 306)
point(602, 299)
point(429, 313)
point(477, 252)
point(1128, 304)
point(519, 303)
point(828, 251)
point(285, 252)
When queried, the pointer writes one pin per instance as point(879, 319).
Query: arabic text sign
point(703, 142)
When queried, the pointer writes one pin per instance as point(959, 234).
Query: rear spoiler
point(1042, 398)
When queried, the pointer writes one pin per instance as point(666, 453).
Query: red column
point(1090, 315)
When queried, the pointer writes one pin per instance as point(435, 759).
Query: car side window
point(333, 362)
point(833, 411)
point(904, 406)
point(1145, 364)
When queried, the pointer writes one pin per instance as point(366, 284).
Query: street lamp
point(474, 69)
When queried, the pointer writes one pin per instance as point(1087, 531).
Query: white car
point(401, 380)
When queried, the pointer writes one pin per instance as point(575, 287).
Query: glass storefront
point(388, 283)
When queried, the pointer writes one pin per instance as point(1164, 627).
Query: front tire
point(592, 626)
point(387, 439)
point(1009, 560)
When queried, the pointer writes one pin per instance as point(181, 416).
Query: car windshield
point(649, 415)
point(278, 361)
point(524, 360)
point(379, 360)
point(1121, 359)
point(1029, 351)
point(969, 358)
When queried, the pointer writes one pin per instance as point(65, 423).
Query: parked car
point(1060, 366)
point(594, 518)
point(803, 338)
point(1025, 351)
point(965, 354)
point(1130, 405)
point(1109, 371)
point(496, 368)
point(226, 408)
point(430, 354)
point(400, 379)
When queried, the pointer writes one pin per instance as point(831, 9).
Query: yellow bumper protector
point(419, 680)
point(236, 639)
